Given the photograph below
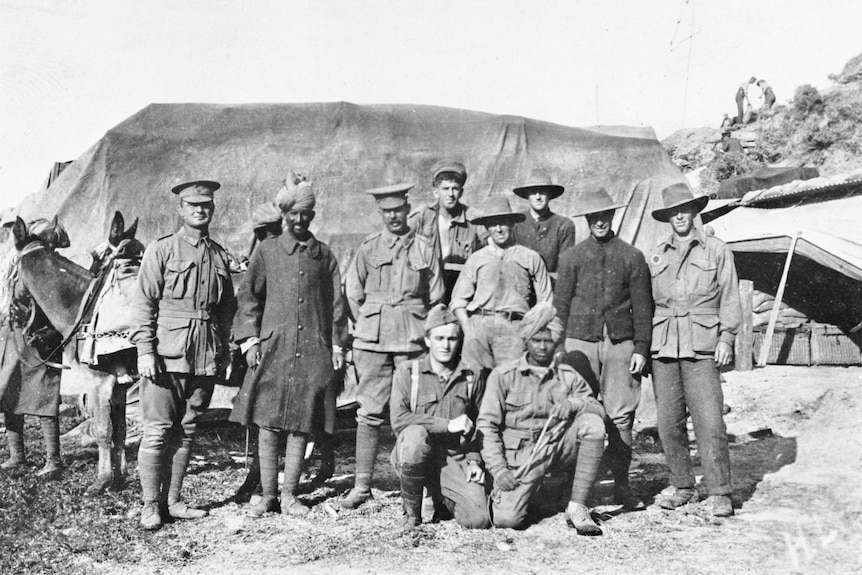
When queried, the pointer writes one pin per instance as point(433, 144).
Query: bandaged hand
point(460, 424)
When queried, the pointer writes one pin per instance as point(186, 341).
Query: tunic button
point(298, 354)
point(302, 273)
point(299, 327)
point(301, 300)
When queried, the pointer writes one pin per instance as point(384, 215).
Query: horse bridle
point(86, 306)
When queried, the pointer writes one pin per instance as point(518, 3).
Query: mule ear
point(19, 230)
point(133, 229)
point(115, 234)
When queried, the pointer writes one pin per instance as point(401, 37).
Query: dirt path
point(801, 509)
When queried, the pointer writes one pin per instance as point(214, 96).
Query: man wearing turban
point(536, 418)
point(290, 323)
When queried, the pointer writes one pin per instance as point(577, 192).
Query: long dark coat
point(27, 385)
point(291, 299)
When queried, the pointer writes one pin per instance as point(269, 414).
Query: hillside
point(816, 129)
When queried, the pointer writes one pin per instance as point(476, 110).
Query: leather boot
point(578, 516)
point(367, 439)
point(51, 434)
point(294, 455)
point(412, 484)
point(15, 440)
point(179, 465)
point(675, 497)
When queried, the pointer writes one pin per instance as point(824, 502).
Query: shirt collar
point(541, 217)
point(392, 239)
point(291, 244)
point(457, 373)
point(698, 238)
point(525, 367)
point(190, 239)
point(461, 218)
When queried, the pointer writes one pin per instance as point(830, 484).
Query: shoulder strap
point(471, 385)
point(414, 385)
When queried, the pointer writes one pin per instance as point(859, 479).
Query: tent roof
point(345, 149)
point(829, 232)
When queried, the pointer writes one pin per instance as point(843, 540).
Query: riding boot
point(177, 508)
point(412, 484)
point(294, 454)
point(367, 439)
point(15, 440)
point(51, 434)
point(150, 473)
point(268, 448)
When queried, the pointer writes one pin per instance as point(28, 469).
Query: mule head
point(117, 234)
point(19, 231)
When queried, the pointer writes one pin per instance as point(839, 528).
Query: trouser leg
point(196, 392)
point(469, 500)
point(705, 401)
point(740, 98)
point(671, 418)
point(15, 440)
point(477, 348)
point(506, 343)
point(620, 398)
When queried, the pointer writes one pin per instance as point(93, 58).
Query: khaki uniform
point(390, 285)
point(515, 408)
point(182, 309)
point(463, 238)
point(696, 293)
point(421, 423)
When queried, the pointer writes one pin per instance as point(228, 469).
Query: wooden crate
point(831, 346)
point(790, 346)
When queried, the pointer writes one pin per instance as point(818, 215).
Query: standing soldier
point(537, 417)
point(393, 280)
point(497, 286)
point(435, 402)
point(291, 324)
point(182, 311)
point(697, 317)
point(543, 231)
point(604, 300)
point(447, 224)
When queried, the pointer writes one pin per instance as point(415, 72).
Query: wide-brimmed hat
point(595, 202)
point(539, 180)
point(496, 208)
point(676, 195)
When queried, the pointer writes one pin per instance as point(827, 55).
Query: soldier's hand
point(723, 354)
point(562, 411)
point(475, 473)
point(252, 356)
point(637, 364)
point(506, 481)
point(460, 424)
point(148, 366)
point(337, 358)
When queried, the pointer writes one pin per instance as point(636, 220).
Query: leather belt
point(509, 315)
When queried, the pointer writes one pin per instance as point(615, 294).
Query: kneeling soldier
point(537, 417)
point(435, 401)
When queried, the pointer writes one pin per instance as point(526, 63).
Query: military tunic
point(290, 298)
point(463, 238)
point(422, 432)
point(517, 402)
point(182, 308)
point(390, 285)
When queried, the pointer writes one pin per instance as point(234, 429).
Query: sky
point(71, 70)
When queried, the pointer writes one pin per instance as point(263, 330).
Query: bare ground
point(799, 509)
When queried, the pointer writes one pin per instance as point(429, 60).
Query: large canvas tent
point(345, 149)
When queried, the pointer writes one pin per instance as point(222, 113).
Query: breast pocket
point(705, 277)
point(518, 401)
point(177, 278)
point(222, 278)
point(425, 402)
point(416, 271)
